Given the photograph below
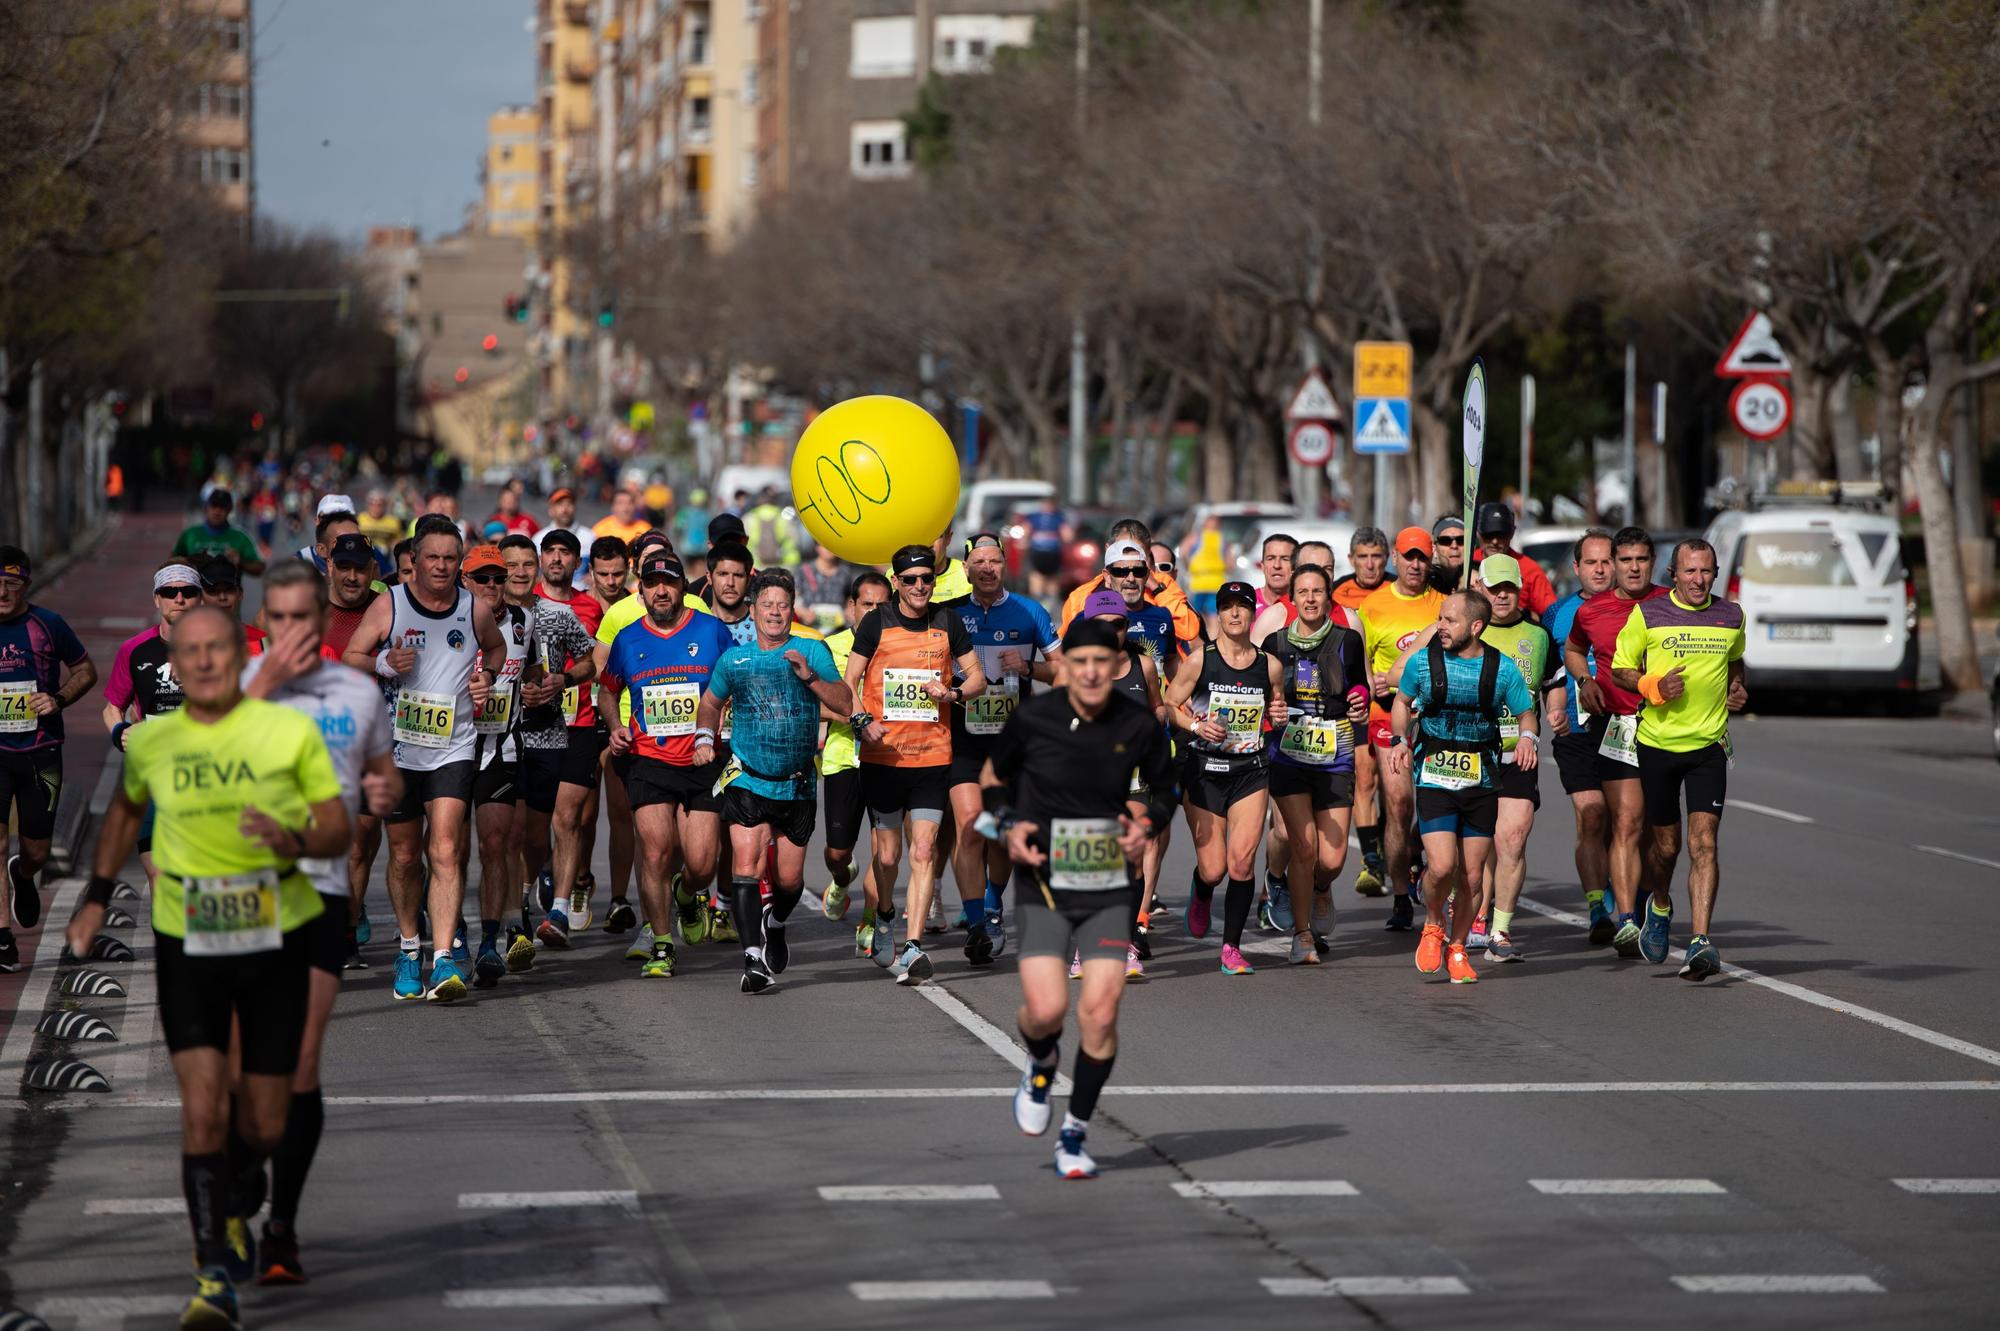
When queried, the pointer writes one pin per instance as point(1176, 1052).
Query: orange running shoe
point(1460, 967)
point(1430, 950)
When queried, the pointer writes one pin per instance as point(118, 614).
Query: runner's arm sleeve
point(1630, 652)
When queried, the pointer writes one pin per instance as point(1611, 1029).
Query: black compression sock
point(1236, 910)
point(1041, 1048)
point(204, 1182)
point(246, 1168)
point(784, 902)
point(747, 903)
point(294, 1156)
point(1371, 842)
point(489, 936)
point(1202, 891)
point(1089, 1075)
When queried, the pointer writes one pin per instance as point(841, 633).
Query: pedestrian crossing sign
point(1385, 425)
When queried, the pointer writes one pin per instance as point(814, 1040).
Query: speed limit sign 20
point(1761, 408)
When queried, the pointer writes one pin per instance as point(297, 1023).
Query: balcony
point(696, 131)
point(579, 71)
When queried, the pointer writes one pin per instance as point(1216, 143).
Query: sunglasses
point(917, 579)
point(1448, 540)
point(1164, 568)
point(489, 579)
point(179, 593)
point(1127, 571)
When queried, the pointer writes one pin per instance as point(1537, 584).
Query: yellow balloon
point(873, 475)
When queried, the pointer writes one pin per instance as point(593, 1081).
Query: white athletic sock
point(561, 904)
point(1071, 1123)
point(413, 944)
point(442, 954)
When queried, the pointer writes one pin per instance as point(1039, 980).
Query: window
point(697, 52)
point(750, 168)
point(223, 101)
point(506, 154)
point(1795, 559)
point(966, 42)
point(753, 11)
point(215, 166)
point(884, 48)
point(698, 120)
point(750, 85)
point(879, 150)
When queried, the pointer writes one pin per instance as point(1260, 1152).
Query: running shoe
point(520, 952)
point(757, 976)
point(1265, 919)
point(1303, 952)
point(1477, 938)
point(1072, 1161)
point(1500, 947)
point(882, 944)
point(1460, 967)
point(409, 976)
point(1323, 943)
point(642, 944)
point(777, 952)
point(1135, 969)
point(445, 986)
point(978, 945)
point(1703, 960)
point(10, 954)
point(579, 903)
point(486, 971)
point(721, 929)
point(1075, 966)
point(1031, 1097)
point(1369, 883)
point(239, 1259)
point(620, 917)
point(1234, 962)
point(659, 966)
point(1430, 950)
point(694, 921)
point(864, 939)
point(934, 922)
point(280, 1259)
point(545, 890)
point(833, 902)
point(1402, 915)
point(1197, 917)
point(996, 933)
point(1280, 898)
point(553, 930)
point(363, 931)
point(912, 965)
point(1603, 922)
point(1626, 940)
point(213, 1306)
point(27, 901)
point(461, 956)
point(1656, 932)
point(355, 961)
point(1142, 941)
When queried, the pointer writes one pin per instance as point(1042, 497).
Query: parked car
point(1828, 604)
point(985, 503)
point(1551, 547)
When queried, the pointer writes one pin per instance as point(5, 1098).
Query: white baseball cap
point(1123, 552)
point(334, 504)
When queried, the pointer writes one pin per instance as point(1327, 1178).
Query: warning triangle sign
point(1754, 351)
point(1383, 430)
point(1313, 402)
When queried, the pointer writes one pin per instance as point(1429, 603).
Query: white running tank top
point(432, 714)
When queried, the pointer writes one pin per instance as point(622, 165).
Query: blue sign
point(1382, 425)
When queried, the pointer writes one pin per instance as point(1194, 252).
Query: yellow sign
point(1381, 369)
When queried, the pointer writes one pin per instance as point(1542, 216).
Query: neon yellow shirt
point(839, 753)
point(1663, 632)
point(200, 778)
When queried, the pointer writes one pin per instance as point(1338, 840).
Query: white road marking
point(556, 1296)
point(912, 1192)
point(136, 1206)
point(875, 1291)
point(1363, 1287)
point(1327, 1187)
point(1779, 1285)
point(1888, 1023)
point(1769, 812)
point(1962, 1187)
point(537, 1201)
point(983, 1030)
point(996, 1092)
point(1960, 855)
point(1627, 1187)
point(123, 622)
point(97, 1308)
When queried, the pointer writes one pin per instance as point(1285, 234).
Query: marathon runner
point(382, 528)
point(222, 587)
point(244, 790)
point(1149, 623)
point(142, 682)
point(550, 799)
point(1683, 654)
point(441, 648)
point(44, 671)
point(840, 778)
point(496, 748)
point(1574, 750)
point(336, 519)
point(727, 594)
point(350, 590)
point(1311, 756)
point(1448, 564)
point(1058, 789)
point(1368, 553)
point(1221, 695)
point(1494, 525)
point(1049, 534)
point(775, 688)
point(823, 582)
point(562, 518)
point(1274, 560)
point(1013, 637)
point(405, 557)
point(346, 706)
point(660, 664)
point(902, 654)
point(624, 521)
point(1134, 674)
point(216, 537)
point(1611, 714)
point(1394, 614)
point(1452, 699)
point(1163, 592)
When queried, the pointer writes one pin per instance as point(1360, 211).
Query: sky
point(373, 112)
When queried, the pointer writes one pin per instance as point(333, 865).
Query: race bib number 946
point(1451, 770)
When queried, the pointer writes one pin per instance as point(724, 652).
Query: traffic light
point(516, 308)
point(461, 374)
point(607, 313)
point(490, 343)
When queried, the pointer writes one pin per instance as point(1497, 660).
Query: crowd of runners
point(481, 707)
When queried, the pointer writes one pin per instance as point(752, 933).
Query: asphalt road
point(1573, 1140)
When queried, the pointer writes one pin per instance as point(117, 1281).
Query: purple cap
point(1104, 601)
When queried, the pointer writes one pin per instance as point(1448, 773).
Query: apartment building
point(510, 173)
point(566, 164)
point(215, 113)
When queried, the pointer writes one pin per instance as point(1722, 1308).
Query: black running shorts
point(651, 781)
point(32, 783)
point(264, 991)
point(497, 783)
point(1212, 784)
point(791, 819)
point(539, 774)
point(1576, 762)
point(1663, 774)
point(453, 781)
point(580, 755)
point(326, 937)
point(1328, 789)
point(890, 792)
point(1463, 813)
point(1511, 783)
point(844, 808)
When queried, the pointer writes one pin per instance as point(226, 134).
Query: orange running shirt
point(902, 654)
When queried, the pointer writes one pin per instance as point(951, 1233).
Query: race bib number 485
point(903, 696)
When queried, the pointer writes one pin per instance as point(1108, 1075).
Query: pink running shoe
point(1233, 962)
point(1197, 917)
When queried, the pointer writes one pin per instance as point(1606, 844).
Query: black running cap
point(662, 565)
point(1236, 591)
point(352, 548)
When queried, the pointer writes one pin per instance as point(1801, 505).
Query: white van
point(1827, 602)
